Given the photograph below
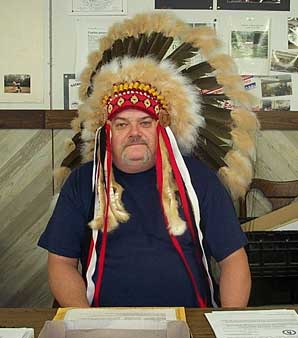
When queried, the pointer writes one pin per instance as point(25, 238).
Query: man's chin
point(135, 160)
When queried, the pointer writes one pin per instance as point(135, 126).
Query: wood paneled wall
point(60, 119)
point(26, 165)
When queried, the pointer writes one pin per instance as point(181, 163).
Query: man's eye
point(146, 124)
point(120, 125)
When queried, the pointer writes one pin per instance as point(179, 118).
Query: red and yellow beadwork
point(134, 95)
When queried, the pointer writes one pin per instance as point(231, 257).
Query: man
point(133, 149)
point(155, 217)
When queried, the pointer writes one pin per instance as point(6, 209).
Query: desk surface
point(28, 317)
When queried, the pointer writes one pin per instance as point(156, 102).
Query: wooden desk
point(25, 317)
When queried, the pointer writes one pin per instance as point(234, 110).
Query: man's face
point(134, 141)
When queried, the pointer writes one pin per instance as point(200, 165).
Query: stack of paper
point(117, 322)
point(154, 313)
point(254, 324)
point(16, 333)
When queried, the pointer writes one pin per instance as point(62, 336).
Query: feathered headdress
point(135, 67)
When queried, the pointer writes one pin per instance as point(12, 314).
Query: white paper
point(87, 40)
point(161, 314)
point(99, 7)
point(249, 44)
point(116, 323)
point(73, 90)
point(22, 52)
point(16, 333)
point(254, 324)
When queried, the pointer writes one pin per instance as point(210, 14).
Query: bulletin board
point(258, 44)
point(42, 61)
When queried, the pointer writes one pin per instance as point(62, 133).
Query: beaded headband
point(135, 95)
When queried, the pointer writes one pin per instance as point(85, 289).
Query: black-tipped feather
point(106, 56)
point(142, 43)
point(132, 46)
point(182, 53)
point(117, 49)
point(198, 70)
point(222, 124)
point(157, 44)
point(212, 112)
point(163, 50)
point(217, 131)
point(211, 152)
point(209, 83)
point(221, 143)
point(215, 99)
point(74, 159)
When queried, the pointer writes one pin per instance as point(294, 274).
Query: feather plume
point(184, 52)
point(197, 71)
point(135, 50)
point(207, 83)
point(217, 100)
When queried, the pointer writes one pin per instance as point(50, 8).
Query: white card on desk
point(16, 333)
point(255, 323)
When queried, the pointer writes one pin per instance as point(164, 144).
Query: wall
point(28, 156)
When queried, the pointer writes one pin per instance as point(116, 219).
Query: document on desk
point(164, 313)
point(254, 324)
point(118, 322)
point(16, 333)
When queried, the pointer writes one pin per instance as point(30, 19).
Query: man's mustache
point(134, 140)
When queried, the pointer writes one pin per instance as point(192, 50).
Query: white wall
point(60, 32)
point(24, 42)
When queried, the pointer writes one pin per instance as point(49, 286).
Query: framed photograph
point(183, 4)
point(269, 105)
point(255, 5)
point(284, 61)
point(98, 7)
point(17, 83)
point(279, 85)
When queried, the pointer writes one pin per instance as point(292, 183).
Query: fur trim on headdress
point(60, 175)
point(184, 106)
point(113, 64)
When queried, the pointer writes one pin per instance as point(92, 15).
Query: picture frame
point(98, 7)
point(255, 5)
point(183, 4)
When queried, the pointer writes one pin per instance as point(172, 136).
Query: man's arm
point(235, 280)
point(66, 283)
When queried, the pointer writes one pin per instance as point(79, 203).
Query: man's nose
point(135, 128)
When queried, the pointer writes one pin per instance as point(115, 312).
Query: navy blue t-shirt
point(142, 268)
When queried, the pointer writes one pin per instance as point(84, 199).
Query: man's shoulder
point(80, 179)
point(204, 179)
point(198, 168)
point(82, 172)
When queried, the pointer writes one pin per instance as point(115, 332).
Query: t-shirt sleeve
point(66, 229)
point(223, 234)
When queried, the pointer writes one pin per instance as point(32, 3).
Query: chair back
point(279, 193)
